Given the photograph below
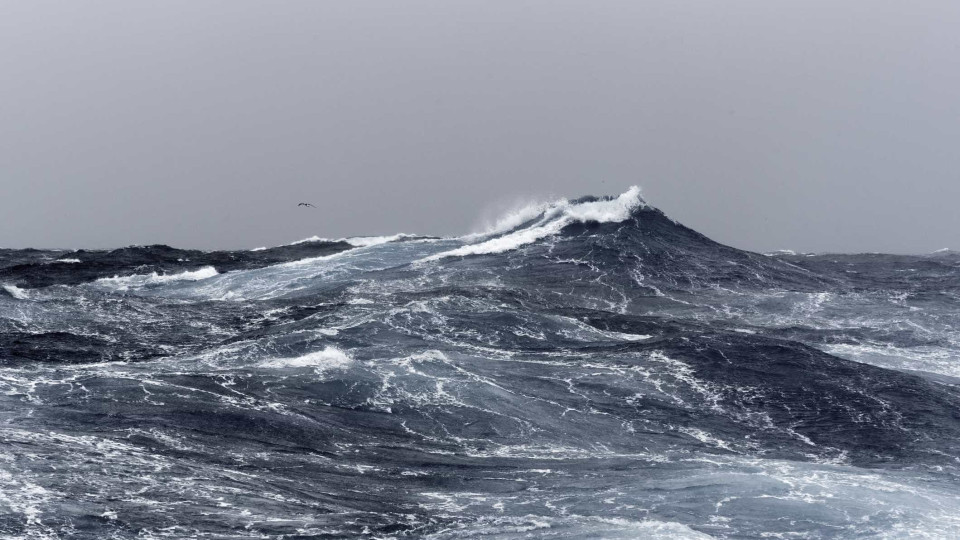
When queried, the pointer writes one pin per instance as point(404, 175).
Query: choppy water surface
point(587, 369)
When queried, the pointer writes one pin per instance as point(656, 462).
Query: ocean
point(585, 368)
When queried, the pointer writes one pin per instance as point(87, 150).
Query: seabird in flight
point(306, 204)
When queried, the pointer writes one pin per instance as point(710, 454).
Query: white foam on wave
point(358, 241)
point(124, 283)
point(328, 358)
point(497, 525)
point(364, 241)
point(515, 218)
point(16, 292)
point(312, 239)
point(554, 217)
point(68, 261)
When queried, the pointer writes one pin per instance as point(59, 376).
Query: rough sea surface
point(585, 369)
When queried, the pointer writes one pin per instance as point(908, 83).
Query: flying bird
point(306, 204)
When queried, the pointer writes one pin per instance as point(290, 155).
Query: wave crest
point(15, 292)
point(355, 241)
point(123, 283)
point(541, 221)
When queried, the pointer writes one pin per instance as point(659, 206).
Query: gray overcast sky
point(811, 125)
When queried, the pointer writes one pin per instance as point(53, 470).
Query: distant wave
point(123, 283)
point(357, 241)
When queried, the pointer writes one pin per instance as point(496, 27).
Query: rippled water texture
point(586, 369)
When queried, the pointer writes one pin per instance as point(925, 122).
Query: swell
point(599, 370)
point(38, 268)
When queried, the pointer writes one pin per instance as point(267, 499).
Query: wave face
point(585, 369)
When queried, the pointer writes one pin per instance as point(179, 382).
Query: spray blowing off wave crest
point(515, 218)
point(540, 221)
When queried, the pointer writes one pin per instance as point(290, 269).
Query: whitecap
point(312, 239)
point(554, 218)
point(123, 283)
point(328, 358)
point(515, 218)
point(358, 241)
point(15, 292)
point(365, 241)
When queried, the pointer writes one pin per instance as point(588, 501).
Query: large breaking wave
point(541, 221)
point(583, 369)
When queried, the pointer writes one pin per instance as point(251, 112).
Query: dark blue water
point(587, 369)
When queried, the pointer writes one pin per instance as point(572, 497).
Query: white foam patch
point(312, 239)
point(328, 358)
point(69, 261)
point(657, 530)
point(364, 241)
point(628, 337)
point(16, 292)
point(358, 241)
point(554, 218)
point(123, 283)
